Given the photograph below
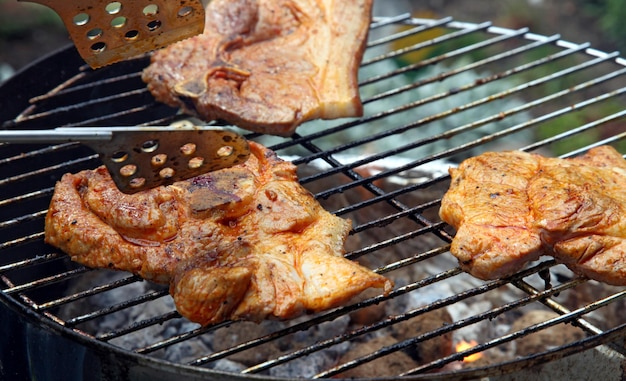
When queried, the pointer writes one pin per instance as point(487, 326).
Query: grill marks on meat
point(512, 207)
point(267, 65)
point(247, 242)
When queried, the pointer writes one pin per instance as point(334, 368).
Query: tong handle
point(57, 135)
point(87, 134)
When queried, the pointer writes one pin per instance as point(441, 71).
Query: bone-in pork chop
point(267, 65)
point(511, 207)
point(246, 242)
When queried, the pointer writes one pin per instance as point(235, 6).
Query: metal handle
point(58, 135)
point(85, 134)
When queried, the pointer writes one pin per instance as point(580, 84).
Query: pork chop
point(511, 207)
point(246, 242)
point(267, 65)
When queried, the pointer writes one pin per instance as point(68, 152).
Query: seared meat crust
point(511, 207)
point(247, 242)
point(267, 65)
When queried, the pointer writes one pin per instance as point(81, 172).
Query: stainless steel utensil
point(140, 158)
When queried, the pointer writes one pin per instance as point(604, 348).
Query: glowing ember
point(464, 345)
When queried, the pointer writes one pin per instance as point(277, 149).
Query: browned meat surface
point(488, 205)
point(247, 242)
point(511, 207)
point(267, 65)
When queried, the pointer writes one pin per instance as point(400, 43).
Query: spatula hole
point(94, 33)
point(119, 157)
point(154, 25)
point(188, 149)
point(131, 34)
point(159, 160)
point(80, 19)
point(150, 146)
point(151, 10)
point(118, 22)
point(225, 151)
point(137, 182)
point(98, 47)
point(128, 170)
point(196, 162)
point(113, 7)
point(185, 11)
point(166, 173)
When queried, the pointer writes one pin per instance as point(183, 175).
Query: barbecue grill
point(474, 87)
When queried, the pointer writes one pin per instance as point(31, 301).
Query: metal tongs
point(105, 31)
point(140, 158)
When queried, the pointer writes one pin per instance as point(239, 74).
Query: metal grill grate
point(435, 92)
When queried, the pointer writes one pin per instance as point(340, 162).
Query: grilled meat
point(511, 207)
point(247, 242)
point(488, 205)
point(267, 65)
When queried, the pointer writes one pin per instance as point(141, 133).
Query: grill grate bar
point(323, 317)
point(440, 303)
point(408, 32)
point(565, 318)
point(461, 148)
point(552, 354)
point(14, 179)
point(375, 190)
point(28, 301)
point(21, 240)
point(398, 239)
point(471, 66)
point(454, 131)
point(560, 309)
point(97, 102)
point(90, 292)
point(613, 139)
point(388, 219)
point(177, 339)
point(360, 121)
point(557, 307)
point(410, 260)
point(425, 44)
point(37, 152)
point(70, 91)
point(529, 123)
point(391, 195)
point(45, 281)
point(157, 320)
point(115, 115)
point(378, 22)
point(30, 262)
point(22, 219)
point(491, 314)
point(27, 196)
point(115, 308)
point(581, 129)
point(543, 118)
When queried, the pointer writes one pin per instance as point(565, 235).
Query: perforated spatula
point(107, 31)
point(140, 158)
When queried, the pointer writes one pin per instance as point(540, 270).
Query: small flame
point(464, 345)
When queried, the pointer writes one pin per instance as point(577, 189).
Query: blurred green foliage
point(19, 19)
point(611, 14)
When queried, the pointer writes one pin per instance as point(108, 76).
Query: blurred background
point(29, 31)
